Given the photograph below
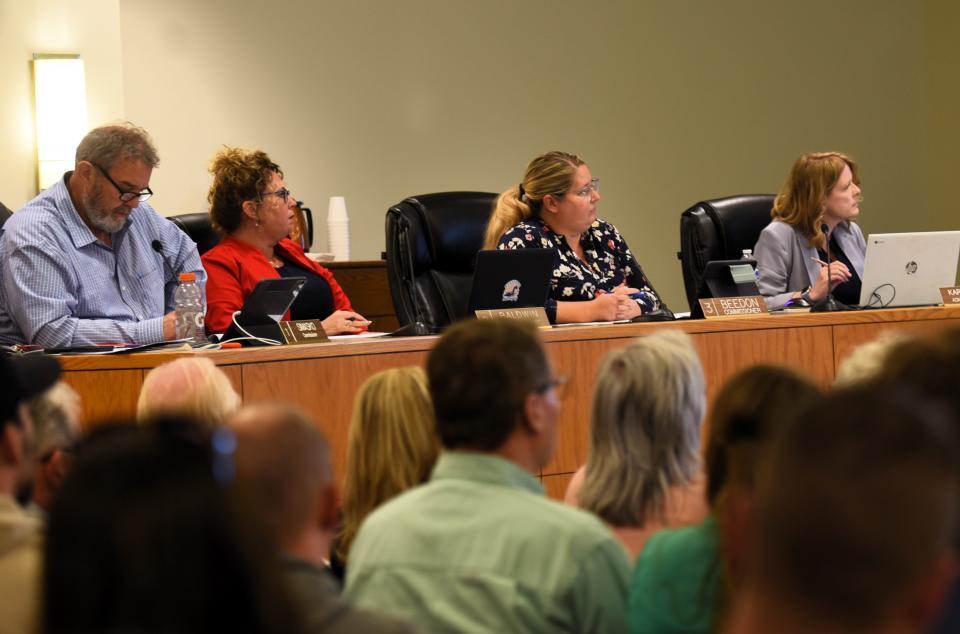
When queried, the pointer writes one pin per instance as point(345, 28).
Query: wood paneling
point(323, 378)
point(325, 388)
point(849, 336)
point(365, 283)
point(556, 485)
point(106, 394)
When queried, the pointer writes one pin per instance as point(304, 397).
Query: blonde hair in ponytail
point(549, 174)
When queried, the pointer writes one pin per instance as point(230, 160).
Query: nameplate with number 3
point(951, 296)
point(303, 331)
point(747, 306)
point(537, 315)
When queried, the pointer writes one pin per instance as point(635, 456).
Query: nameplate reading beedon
point(303, 331)
point(537, 315)
point(733, 306)
point(951, 296)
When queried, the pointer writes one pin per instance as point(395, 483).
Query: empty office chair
point(432, 243)
point(719, 229)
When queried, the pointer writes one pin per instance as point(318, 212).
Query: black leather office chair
point(719, 229)
point(198, 227)
point(432, 243)
point(4, 214)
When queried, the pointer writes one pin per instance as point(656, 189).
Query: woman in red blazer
point(252, 207)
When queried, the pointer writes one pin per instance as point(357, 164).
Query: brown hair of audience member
point(550, 174)
point(106, 145)
point(745, 412)
point(648, 404)
point(239, 175)
point(800, 201)
point(392, 445)
point(480, 374)
point(855, 513)
point(930, 364)
point(150, 533)
point(191, 386)
point(286, 461)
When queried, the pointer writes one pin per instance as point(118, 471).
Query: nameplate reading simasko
point(303, 331)
point(749, 305)
point(537, 315)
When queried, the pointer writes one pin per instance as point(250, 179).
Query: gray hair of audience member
point(866, 361)
point(56, 419)
point(106, 145)
point(857, 502)
point(480, 373)
point(285, 461)
point(648, 405)
point(191, 386)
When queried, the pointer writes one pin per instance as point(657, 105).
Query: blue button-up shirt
point(61, 287)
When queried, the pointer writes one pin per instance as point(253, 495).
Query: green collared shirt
point(481, 549)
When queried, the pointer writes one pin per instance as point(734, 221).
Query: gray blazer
point(785, 260)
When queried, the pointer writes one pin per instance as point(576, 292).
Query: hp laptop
point(908, 269)
point(511, 278)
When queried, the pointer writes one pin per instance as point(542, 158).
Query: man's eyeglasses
point(558, 383)
point(584, 192)
point(283, 194)
point(143, 195)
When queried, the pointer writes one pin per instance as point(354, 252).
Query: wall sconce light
point(60, 108)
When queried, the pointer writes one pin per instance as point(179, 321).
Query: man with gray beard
point(88, 261)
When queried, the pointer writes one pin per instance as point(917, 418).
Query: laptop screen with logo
point(511, 278)
point(908, 269)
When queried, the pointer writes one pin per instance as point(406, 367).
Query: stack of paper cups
point(338, 229)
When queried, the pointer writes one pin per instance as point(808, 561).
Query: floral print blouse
point(609, 263)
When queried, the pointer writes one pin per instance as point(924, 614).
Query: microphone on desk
point(158, 247)
point(828, 304)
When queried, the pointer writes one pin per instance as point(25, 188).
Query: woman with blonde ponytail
point(595, 276)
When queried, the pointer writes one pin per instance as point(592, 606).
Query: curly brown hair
point(238, 175)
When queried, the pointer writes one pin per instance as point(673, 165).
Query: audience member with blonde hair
point(392, 447)
point(595, 275)
point(866, 361)
point(643, 470)
point(683, 576)
point(822, 188)
point(191, 386)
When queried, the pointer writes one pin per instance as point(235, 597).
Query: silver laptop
point(908, 269)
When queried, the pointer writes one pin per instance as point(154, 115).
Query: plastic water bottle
point(188, 303)
point(748, 255)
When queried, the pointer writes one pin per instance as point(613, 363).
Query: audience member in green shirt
point(479, 548)
point(684, 576)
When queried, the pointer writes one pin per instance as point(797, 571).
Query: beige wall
point(88, 27)
point(670, 102)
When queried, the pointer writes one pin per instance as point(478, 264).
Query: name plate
point(950, 295)
point(748, 305)
point(537, 315)
point(303, 331)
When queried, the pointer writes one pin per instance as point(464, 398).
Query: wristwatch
point(805, 296)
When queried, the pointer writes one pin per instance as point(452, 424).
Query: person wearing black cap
point(20, 536)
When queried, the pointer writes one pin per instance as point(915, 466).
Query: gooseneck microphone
point(828, 304)
point(158, 247)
